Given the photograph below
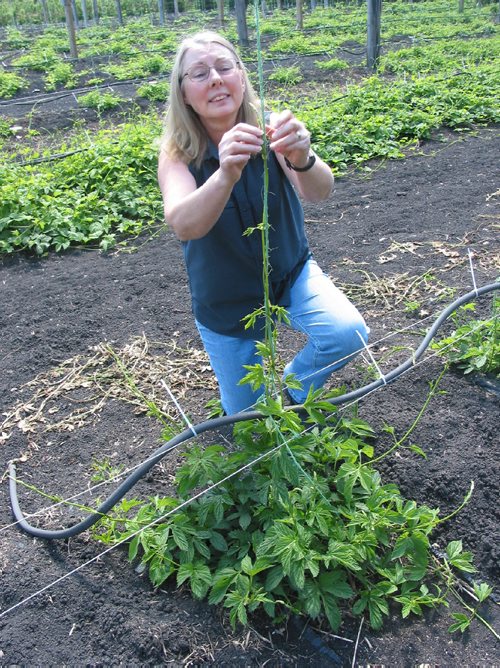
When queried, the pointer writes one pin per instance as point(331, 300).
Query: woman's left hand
point(289, 137)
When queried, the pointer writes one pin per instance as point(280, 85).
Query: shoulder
point(170, 168)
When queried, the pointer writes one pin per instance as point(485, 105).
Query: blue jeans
point(319, 310)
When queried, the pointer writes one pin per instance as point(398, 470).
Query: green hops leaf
point(461, 624)
point(482, 591)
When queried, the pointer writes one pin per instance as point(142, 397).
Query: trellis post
point(220, 13)
point(68, 12)
point(45, 11)
point(119, 11)
point(161, 10)
point(75, 15)
point(95, 11)
point(299, 15)
point(373, 33)
point(84, 13)
point(241, 21)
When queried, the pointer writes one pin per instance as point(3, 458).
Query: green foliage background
point(109, 191)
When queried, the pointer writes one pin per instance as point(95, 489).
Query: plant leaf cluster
point(311, 529)
point(94, 197)
point(10, 83)
point(474, 346)
point(377, 119)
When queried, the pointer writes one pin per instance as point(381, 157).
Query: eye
point(199, 73)
point(225, 66)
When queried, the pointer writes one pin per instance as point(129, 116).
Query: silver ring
point(299, 136)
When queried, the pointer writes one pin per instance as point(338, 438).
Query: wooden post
point(68, 11)
point(95, 11)
point(241, 21)
point(299, 15)
point(460, 6)
point(176, 8)
point(263, 7)
point(45, 12)
point(373, 36)
point(220, 13)
point(119, 11)
point(13, 12)
point(84, 13)
point(75, 15)
point(161, 9)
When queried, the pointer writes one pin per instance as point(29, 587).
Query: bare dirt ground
point(394, 236)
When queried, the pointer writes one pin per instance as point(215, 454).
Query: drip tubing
point(217, 423)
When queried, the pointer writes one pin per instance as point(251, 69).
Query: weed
point(10, 84)
point(156, 91)
point(70, 201)
point(331, 65)
point(95, 81)
point(38, 59)
point(60, 74)
point(412, 306)
point(100, 101)
point(475, 345)
point(105, 471)
point(289, 76)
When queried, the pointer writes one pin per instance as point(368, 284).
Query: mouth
point(219, 98)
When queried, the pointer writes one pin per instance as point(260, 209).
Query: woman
point(211, 177)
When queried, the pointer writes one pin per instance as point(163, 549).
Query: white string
point(372, 358)
point(472, 271)
point(156, 521)
point(89, 489)
point(370, 345)
point(191, 499)
point(185, 417)
point(132, 468)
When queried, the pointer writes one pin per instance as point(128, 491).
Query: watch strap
point(306, 168)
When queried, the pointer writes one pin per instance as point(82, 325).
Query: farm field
point(417, 186)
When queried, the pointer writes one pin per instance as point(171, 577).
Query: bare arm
point(290, 138)
point(192, 211)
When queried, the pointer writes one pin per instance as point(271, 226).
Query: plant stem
point(271, 382)
point(474, 612)
point(457, 510)
point(398, 443)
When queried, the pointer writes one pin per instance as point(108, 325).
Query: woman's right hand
point(236, 147)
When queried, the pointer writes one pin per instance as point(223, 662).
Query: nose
point(214, 77)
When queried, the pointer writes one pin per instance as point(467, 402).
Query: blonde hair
point(184, 137)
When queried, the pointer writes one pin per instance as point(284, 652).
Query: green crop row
point(110, 190)
point(93, 197)
point(378, 119)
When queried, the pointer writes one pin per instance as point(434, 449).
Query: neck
point(217, 128)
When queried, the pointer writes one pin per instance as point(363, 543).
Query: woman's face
point(212, 83)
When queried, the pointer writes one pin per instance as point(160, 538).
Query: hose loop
point(217, 423)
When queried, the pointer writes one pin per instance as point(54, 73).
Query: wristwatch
point(310, 162)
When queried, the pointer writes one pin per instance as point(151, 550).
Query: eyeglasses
point(199, 73)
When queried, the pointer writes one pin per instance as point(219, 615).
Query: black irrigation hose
point(216, 423)
point(56, 95)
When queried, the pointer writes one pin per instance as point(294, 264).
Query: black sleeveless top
point(225, 267)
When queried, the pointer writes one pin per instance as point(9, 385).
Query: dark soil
point(379, 231)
